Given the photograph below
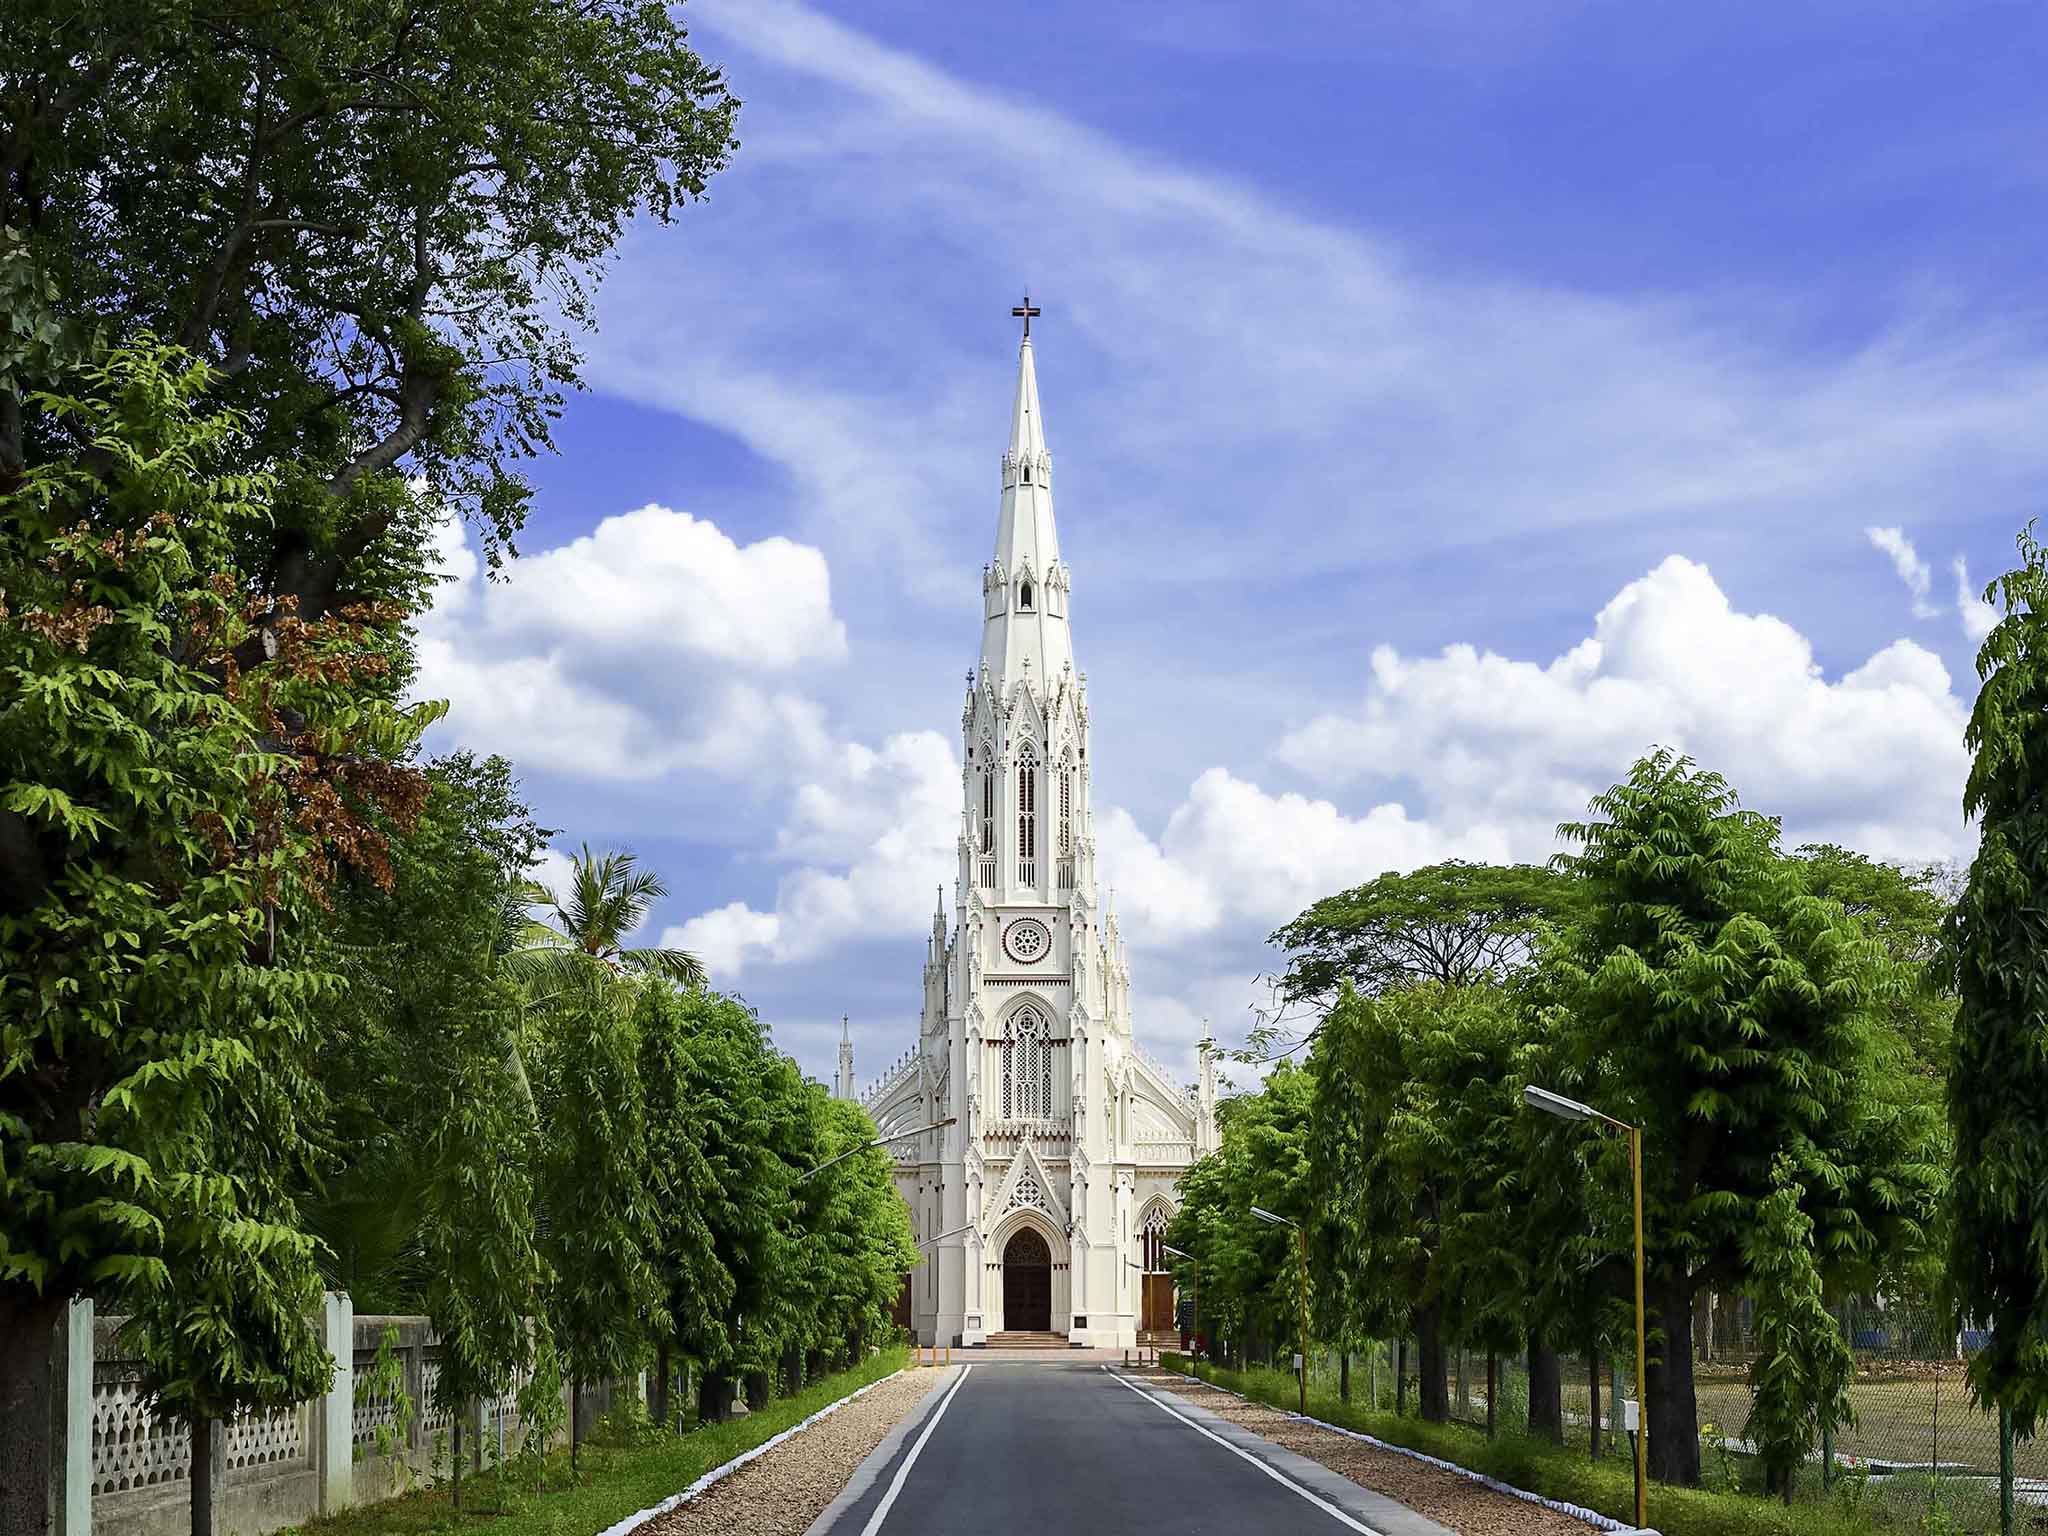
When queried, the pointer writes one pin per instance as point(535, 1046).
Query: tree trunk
point(659, 1407)
point(1593, 1381)
point(28, 1409)
point(1546, 1391)
point(1703, 1327)
point(575, 1422)
point(714, 1397)
point(1673, 1409)
point(814, 1364)
point(1492, 1393)
point(793, 1370)
point(202, 1477)
point(1434, 1395)
point(1400, 1378)
point(1344, 1376)
point(758, 1391)
point(455, 1459)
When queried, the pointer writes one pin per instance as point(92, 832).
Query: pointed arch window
point(1027, 1067)
point(1024, 596)
point(1157, 1220)
point(1067, 806)
point(1027, 816)
point(988, 803)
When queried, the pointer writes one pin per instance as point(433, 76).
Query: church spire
point(844, 1088)
point(1024, 587)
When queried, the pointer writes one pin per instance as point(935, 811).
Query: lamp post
point(1195, 1298)
point(1571, 1109)
point(1301, 1250)
point(936, 1125)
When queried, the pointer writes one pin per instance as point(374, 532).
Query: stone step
point(1032, 1340)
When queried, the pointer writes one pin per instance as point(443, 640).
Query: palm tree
point(577, 938)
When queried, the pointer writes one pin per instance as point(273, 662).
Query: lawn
point(623, 1468)
point(1853, 1508)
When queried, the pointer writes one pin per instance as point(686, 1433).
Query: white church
point(1041, 1210)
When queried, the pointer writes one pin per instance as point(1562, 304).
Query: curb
point(677, 1500)
point(1591, 1517)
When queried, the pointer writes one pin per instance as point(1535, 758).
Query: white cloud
point(1913, 571)
point(1182, 294)
point(870, 837)
point(1873, 758)
point(652, 644)
point(1232, 853)
point(1977, 616)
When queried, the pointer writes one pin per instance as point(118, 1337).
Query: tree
point(1249, 1277)
point(425, 1200)
point(857, 1241)
point(1712, 999)
point(1452, 922)
point(1998, 1075)
point(734, 1083)
point(697, 1285)
point(604, 1295)
point(582, 936)
point(381, 224)
point(1411, 1138)
point(1904, 908)
point(1799, 1381)
point(165, 812)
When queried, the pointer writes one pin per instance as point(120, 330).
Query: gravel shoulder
point(1469, 1508)
point(781, 1493)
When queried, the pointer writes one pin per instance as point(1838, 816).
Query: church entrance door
point(1158, 1315)
point(1027, 1283)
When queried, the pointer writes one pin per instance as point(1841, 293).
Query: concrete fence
point(126, 1470)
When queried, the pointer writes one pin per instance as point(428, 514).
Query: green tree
point(697, 1285)
point(857, 1243)
point(1905, 907)
point(1998, 1076)
point(425, 1199)
point(580, 938)
point(1799, 1381)
point(1249, 1280)
point(381, 224)
point(1412, 1146)
point(1712, 999)
point(604, 1294)
point(165, 812)
point(1452, 922)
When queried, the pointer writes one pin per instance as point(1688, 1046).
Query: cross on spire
point(1024, 312)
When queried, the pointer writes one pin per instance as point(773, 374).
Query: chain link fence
point(1918, 1445)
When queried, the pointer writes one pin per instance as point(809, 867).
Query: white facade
point(1033, 1209)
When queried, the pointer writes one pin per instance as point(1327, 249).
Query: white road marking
point(896, 1483)
point(1278, 1476)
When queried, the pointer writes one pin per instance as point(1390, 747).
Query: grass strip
point(1570, 1476)
point(620, 1476)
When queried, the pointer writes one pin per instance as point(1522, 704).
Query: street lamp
point(1301, 1249)
point(1571, 1109)
point(936, 1125)
point(1194, 1300)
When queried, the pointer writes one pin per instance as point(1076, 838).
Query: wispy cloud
point(1913, 571)
point(1976, 614)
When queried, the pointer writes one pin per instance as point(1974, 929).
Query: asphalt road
point(1030, 1450)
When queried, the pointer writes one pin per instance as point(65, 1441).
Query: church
point(1041, 1209)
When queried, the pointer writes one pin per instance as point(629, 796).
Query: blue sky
point(1450, 401)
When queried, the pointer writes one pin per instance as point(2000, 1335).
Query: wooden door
point(1027, 1284)
point(1158, 1312)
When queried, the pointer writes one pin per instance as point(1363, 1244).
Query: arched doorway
point(1027, 1283)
